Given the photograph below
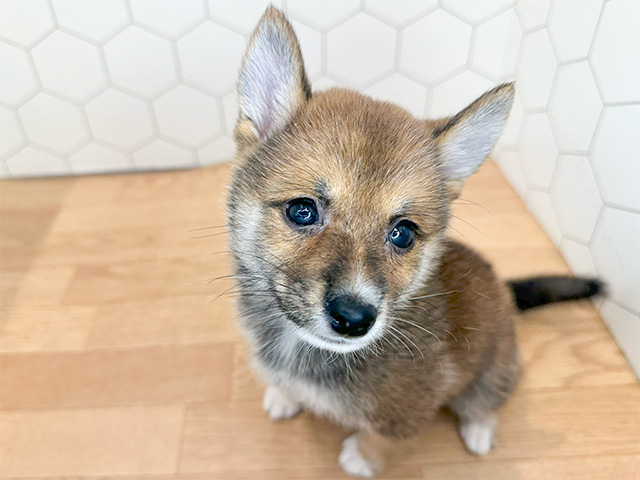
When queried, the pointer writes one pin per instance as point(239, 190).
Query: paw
point(278, 406)
point(353, 462)
point(479, 436)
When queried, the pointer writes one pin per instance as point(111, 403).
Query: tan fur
point(449, 334)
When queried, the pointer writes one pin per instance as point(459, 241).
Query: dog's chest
point(317, 385)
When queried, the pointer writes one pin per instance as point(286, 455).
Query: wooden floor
point(117, 361)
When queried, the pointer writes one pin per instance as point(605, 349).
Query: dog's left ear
point(272, 85)
point(466, 139)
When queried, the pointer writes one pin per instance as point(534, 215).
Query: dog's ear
point(466, 139)
point(272, 85)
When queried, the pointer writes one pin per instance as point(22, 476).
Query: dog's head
point(339, 203)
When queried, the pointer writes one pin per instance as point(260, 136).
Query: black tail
point(538, 291)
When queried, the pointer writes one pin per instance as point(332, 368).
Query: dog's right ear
point(273, 85)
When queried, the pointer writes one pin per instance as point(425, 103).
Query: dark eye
point(302, 211)
point(403, 234)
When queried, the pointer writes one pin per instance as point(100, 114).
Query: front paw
point(353, 462)
point(279, 406)
point(479, 436)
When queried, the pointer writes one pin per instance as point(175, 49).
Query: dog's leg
point(363, 453)
point(279, 405)
point(479, 433)
point(478, 402)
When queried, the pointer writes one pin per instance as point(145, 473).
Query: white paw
point(278, 406)
point(479, 436)
point(353, 462)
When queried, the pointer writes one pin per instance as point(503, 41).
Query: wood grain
point(117, 359)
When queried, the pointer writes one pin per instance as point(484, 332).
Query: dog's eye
point(302, 211)
point(403, 234)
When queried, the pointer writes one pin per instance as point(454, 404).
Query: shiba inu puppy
point(356, 304)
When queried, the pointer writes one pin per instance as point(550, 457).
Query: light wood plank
point(106, 441)
point(116, 377)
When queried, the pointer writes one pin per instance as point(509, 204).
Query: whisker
point(472, 226)
point(207, 228)
point(454, 337)
point(400, 340)
point(433, 295)
point(408, 340)
point(481, 294)
point(209, 235)
point(471, 202)
point(419, 327)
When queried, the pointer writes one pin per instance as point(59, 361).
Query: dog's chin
point(338, 344)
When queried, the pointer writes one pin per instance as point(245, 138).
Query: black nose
point(350, 316)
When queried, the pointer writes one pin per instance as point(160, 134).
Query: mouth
point(332, 342)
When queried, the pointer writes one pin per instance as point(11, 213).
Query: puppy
point(356, 304)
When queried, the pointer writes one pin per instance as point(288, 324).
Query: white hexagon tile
point(122, 85)
point(402, 91)
point(371, 51)
point(96, 21)
point(574, 107)
point(17, 82)
point(69, 66)
point(435, 46)
point(203, 61)
point(140, 61)
point(120, 119)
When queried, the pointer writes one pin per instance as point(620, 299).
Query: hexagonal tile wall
point(616, 254)
point(574, 107)
point(537, 69)
point(97, 158)
point(474, 12)
point(533, 13)
point(541, 206)
point(402, 91)
point(69, 66)
point(188, 116)
point(371, 51)
point(217, 151)
point(205, 63)
point(25, 23)
point(452, 95)
point(44, 110)
point(311, 46)
point(496, 45)
point(12, 138)
point(141, 62)
point(617, 75)
point(170, 18)
point(324, 14)
point(538, 151)
point(575, 196)
point(96, 21)
point(617, 176)
point(161, 154)
point(31, 162)
point(578, 257)
point(120, 119)
point(397, 13)
point(16, 88)
point(423, 46)
point(564, 22)
point(242, 16)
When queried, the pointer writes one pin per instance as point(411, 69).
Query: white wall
point(573, 147)
point(118, 85)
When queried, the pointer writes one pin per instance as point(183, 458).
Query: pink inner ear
point(470, 140)
point(270, 78)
